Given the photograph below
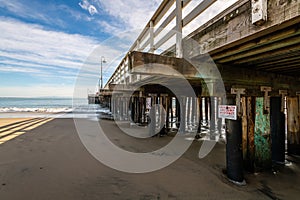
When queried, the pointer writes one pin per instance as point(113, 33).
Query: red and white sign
point(227, 112)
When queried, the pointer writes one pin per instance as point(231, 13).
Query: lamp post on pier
point(101, 78)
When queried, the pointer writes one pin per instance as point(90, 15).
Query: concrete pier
point(255, 61)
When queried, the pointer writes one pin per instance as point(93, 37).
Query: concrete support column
point(137, 110)
point(194, 115)
point(182, 127)
point(132, 109)
point(167, 113)
point(114, 107)
point(119, 108)
point(206, 106)
point(121, 105)
point(172, 109)
point(219, 120)
point(163, 113)
point(168, 110)
point(152, 114)
point(212, 122)
point(200, 119)
point(178, 112)
point(143, 111)
point(128, 110)
point(188, 112)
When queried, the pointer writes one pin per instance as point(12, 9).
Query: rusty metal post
point(244, 127)
point(293, 134)
point(250, 101)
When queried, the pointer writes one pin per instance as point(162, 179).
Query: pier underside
point(253, 69)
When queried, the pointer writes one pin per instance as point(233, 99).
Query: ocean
point(14, 107)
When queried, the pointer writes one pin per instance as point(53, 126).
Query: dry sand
point(50, 162)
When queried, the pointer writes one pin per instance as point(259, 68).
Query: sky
point(48, 48)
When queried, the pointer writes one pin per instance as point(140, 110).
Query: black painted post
point(132, 108)
point(143, 110)
point(109, 103)
point(277, 122)
point(234, 155)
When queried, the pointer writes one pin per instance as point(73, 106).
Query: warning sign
point(227, 112)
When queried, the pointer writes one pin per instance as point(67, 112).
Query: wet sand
point(50, 162)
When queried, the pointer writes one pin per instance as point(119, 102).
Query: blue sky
point(44, 44)
point(48, 48)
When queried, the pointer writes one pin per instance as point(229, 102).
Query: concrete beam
point(158, 65)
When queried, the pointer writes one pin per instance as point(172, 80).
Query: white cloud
point(86, 5)
point(45, 54)
point(131, 13)
point(31, 43)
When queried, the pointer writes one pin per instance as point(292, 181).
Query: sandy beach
point(48, 161)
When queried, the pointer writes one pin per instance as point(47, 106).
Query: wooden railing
point(154, 35)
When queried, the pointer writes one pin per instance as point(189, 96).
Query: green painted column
point(262, 137)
